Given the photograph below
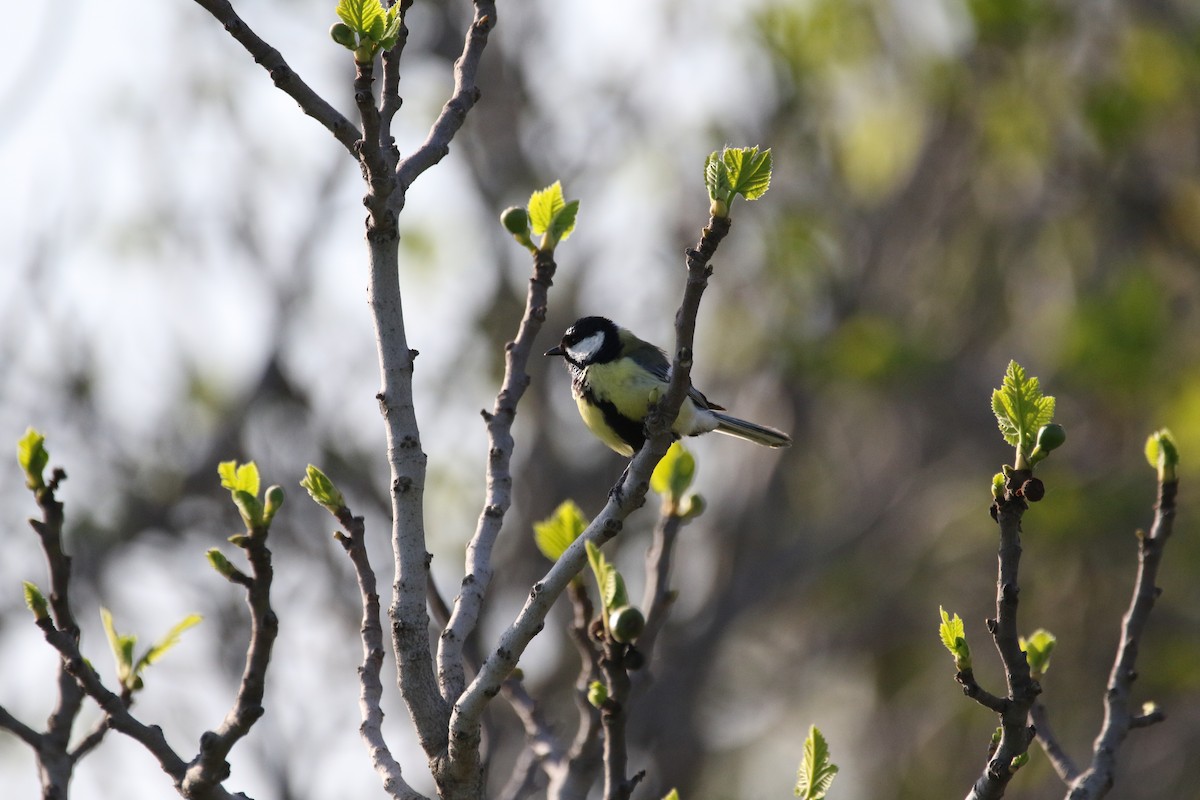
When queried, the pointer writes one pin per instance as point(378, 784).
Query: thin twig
point(1059, 759)
point(469, 603)
point(210, 767)
point(282, 75)
point(370, 686)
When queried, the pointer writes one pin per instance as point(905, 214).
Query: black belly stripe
point(630, 431)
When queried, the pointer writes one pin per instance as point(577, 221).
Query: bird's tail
point(750, 431)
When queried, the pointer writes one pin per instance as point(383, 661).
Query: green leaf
point(608, 581)
point(36, 601)
point(716, 178)
point(555, 534)
point(222, 564)
point(749, 171)
point(322, 490)
point(122, 649)
point(615, 595)
point(674, 473)
point(954, 637)
point(816, 772)
point(563, 223)
point(360, 15)
point(235, 478)
point(159, 648)
point(1020, 410)
point(544, 204)
point(671, 795)
point(248, 506)
point(1037, 649)
point(32, 456)
point(1162, 453)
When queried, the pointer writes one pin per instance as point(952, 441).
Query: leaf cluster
point(242, 481)
point(734, 171)
point(366, 28)
point(1021, 410)
point(548, 214)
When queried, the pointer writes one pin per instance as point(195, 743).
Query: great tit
point(615, 377)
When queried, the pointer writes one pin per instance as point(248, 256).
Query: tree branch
point(370, 686)
point(626, 497)
point(1118, 721)
point(1059, 759)
point(1022, 689)
point(209, 768)
point(454, 112)
point(469, 603)
point(282, 75)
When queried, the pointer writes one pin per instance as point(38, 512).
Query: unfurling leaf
point(1163, 454)
point(122, 649)
point(816, 771)
point(551, 216)
point(1037, 649)
point(36, 601)
point(1021, 409)
point(159, 648)
point(733, 171)
point(237, 478)
point(322, 490)
point(222, 564)
point(555, 534)
point(543, 205)
point(954, 637)
point(673, 476)
point(360, 15)
point(32, 456)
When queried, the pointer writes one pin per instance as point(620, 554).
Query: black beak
point(555, 351)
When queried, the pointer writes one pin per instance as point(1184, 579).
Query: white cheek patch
point(585, 349)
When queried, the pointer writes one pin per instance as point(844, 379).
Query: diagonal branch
point(469, 603)
point(282, 75)
point(465, 95)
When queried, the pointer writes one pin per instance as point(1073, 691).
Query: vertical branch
point(469, 603)
point(210, 767)
point(406, 460)
point(370, 685)
point(613, 719)
point(1118, 720)
point(1022, 689)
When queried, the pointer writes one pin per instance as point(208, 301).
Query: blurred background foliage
point(957, 183)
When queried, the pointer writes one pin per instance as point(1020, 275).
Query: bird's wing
point(657, 364)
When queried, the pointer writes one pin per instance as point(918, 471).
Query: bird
point(616, 378)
